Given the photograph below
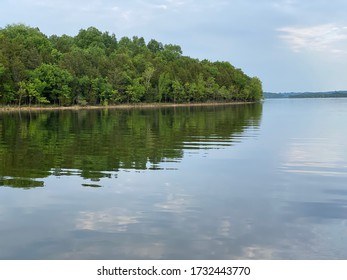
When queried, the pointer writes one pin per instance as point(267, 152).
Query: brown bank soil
point(120, 106)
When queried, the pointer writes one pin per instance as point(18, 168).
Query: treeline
point(324, 94)
point(336, 94)
point(95, 67)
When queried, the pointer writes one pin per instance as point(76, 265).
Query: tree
point(57, 83)
point(63, 44)
point(171, 52)
point(21, 92)
point(135, 91)
point(178, 91)
point(32, 90)
point(164, 87)
point(2, 70)
point(89, 37)
point(211, 88)
point(191, 90)
point(35, 90)
point(147, 76)
point(26, 45)
point(138, 45)
point(155, 46)
point(223, 93)
point(256, 89)
point(200, 89)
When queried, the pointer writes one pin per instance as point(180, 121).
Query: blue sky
point(291, 45)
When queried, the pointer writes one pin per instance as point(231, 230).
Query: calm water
point(233, 182)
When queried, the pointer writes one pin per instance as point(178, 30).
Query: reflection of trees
point(23, 183)
point(35, 145)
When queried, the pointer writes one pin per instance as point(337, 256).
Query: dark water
point(252, 182)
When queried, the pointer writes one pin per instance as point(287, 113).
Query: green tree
point(192, 91)
point(32, 90)
point(21, 92)
point(171, 52)
point(26, 45)
point(2, 70)
point(89, 37)
point(147, 76)
point(178, 91)
point(200, 89)
point(63, 44)
point(57, 83)
point(135, 91)
point(164, 87)
point(256, 93)
point(155, 46)
point(211, 89)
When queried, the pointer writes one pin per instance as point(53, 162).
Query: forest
point(95, 68)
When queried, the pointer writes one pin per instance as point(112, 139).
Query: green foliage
point(95, 68)
point(155, 46)
point(56, 83)
point(164, 87)
point(32, 90)
point(178, 91)
point(2, 70)
point(171, 52)
point(136, 90)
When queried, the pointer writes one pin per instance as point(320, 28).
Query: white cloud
point(322, 38)
point(285, 5)
point(61, 4)
point(162, 7)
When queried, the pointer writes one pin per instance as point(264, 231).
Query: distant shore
point(120, 106)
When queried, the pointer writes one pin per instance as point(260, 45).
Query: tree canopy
point(95, 68)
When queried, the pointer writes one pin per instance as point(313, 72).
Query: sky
point(291, 45)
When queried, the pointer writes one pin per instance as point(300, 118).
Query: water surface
point(227, 182)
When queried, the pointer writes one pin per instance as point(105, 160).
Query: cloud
point(322, 38)
point(285, 5)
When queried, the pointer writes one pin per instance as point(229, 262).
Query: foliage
point(95, 68)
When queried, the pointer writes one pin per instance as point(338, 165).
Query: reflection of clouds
point(177, 203)
point(225, 228)
point(316, 156)
point(319, 210)
point(108, 250)
point(257, 252)
point(154, 250)
point(111, 220)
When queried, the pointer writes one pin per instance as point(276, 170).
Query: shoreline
point(119, 106)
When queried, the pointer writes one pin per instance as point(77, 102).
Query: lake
point(261, 181)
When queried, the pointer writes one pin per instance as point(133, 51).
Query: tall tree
point(57, 89)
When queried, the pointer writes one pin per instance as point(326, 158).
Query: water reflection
point(24, 183)
point(320, 210)
point(184, 183)
point(95, 144)
point(317, 156)
point(111, 220)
